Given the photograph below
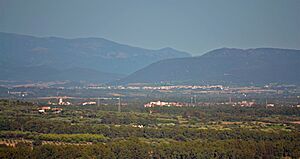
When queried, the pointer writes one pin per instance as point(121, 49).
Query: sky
point(195, 26)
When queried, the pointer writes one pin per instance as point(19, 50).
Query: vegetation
point(188, 132)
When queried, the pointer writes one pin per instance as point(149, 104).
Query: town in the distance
point(63, 114)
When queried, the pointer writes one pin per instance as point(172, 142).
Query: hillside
point(35, 56)
point(238, 66)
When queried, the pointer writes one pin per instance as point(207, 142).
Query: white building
point(89, 103)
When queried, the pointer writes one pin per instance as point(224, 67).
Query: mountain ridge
point(225, 65)
point(18, 52)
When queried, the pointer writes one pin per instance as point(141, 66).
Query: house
point(270, 105)
point(44, 109)
point(41, 111)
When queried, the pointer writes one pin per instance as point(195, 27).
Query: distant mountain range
point(25, 57)
point(231, 66)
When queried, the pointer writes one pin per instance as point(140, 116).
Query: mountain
point(35, 58)
point(236, 66)
point(51, 74)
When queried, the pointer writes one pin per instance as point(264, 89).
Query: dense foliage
point(134, 148)
point(191, 132)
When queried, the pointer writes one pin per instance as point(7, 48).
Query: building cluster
point(161, 104)
point(137, 126)
point(205, 87)
point(246, 103)
point(45, 109)
point(219, 87)
point(249, 104)
point(60, 102)
point(21, 94)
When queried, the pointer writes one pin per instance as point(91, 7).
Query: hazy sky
point(194, 26)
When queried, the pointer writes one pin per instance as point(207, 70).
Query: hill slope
point(20, 54)
point(262, 65)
